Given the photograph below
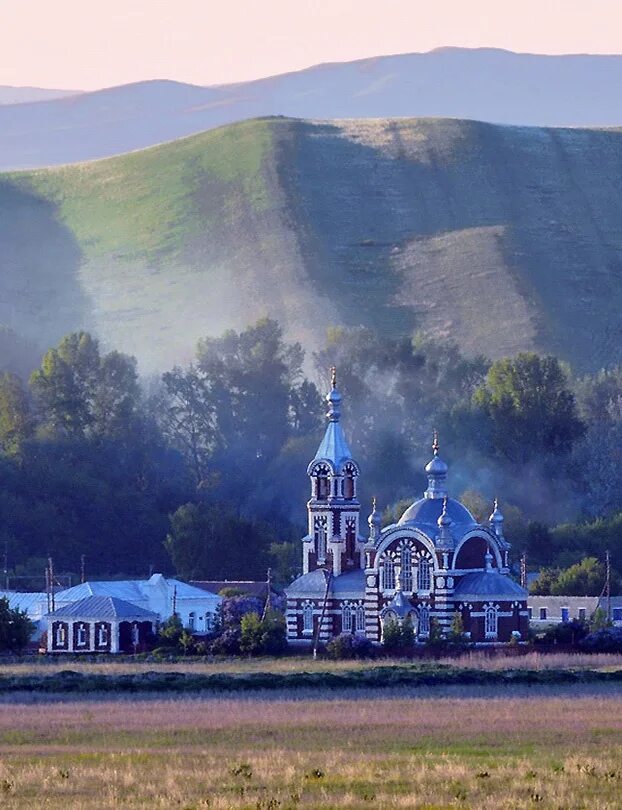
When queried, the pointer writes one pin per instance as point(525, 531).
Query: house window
point(543, 613)
point(387, 577)
point(617, 614)
point(530, 613)
point(490, 622)
point(565, 614)
point(135, 634)
point(424, 621)
point(423, 576)
point(360, 619)
point(102, 636)
point(192, 621)
point(346, 619)
point(81, 636)
point(307, 618)
point(406, 569)
point(582, 614)
point(61, 635)
point(320, 529)
point(208, 622)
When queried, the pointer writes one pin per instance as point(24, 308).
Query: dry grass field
point(550, 747)
point(305, 663)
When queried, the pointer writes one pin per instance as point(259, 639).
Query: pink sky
point(89, 44)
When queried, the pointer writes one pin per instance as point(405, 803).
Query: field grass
point(476, 748)
point(304, 663)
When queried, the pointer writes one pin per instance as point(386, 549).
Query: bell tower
point(333, 541)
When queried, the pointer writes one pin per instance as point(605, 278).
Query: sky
point(88, 44)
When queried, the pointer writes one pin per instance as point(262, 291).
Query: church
point(436, 561)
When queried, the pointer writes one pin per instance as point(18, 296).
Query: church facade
point(435, 562)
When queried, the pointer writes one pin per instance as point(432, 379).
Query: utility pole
point(82, 558)
point(267, 604)
point(523, 570)
point(51, 570)
point(608, 584)
point(6, 565)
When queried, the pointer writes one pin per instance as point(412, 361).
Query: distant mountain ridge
point(25, 95)
point(500, 238)
point(482, 84)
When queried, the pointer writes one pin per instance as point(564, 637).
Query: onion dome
point(374, 521)
point(444, 522)
point(436, 470)
point(334, 447)
point(496, 520)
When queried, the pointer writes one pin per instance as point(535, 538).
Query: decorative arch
point(349, 474)
point(488, 540)
point(321, 474)
point(406, 533)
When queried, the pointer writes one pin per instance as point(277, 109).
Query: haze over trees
point(205, 475)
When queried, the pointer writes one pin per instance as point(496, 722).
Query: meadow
point(475, 747)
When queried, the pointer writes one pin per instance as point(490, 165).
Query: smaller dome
point(436, 467)
point(375, 519)
point(444, 519)
point(496, 516)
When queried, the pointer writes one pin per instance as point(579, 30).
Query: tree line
point(202, 472)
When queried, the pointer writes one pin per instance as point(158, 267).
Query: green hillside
point(502, 238)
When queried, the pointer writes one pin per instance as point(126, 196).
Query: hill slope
point(24, 95)
point(501, 238)
point(483, 84)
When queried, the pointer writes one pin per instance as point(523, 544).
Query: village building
point(435, 562)
point(158, 596)
point(100, 624)
point(196, 607)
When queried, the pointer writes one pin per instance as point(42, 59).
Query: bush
point(567, 632)
point(347, 646)
point(392, 635)
point(15, 628)
point(608, 640)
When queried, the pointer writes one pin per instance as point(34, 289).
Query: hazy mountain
point(486, 84)
point(501, 238)
point(23, 95)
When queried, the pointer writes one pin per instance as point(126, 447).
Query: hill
point(482, 84)
point(501, 238)
point(24, 95)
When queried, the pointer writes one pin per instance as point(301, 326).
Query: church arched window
point(423, 576)
point(320, 528)
point(387, 578)
point(307, 618)
point(322, 482)
point(346, 619)
point(348, 483)
point(406, 569)
point(491, 620)
point(360, 619)
point(424, 621)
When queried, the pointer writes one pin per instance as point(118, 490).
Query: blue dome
point(426, 512)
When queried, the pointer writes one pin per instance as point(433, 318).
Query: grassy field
point(389, 224)
point(290, 664)
point(470, 748)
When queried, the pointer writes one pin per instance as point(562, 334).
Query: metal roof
point(334, 447)
point(133, 590)
point(29, 602)
point(311, 584)
point(103, 607)
point(488, 585)
point(425, 513)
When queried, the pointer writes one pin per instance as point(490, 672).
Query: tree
point(16, 422)
point(391, 635)
point(209, 541)
point(408, 633)
point(79, 393)
point(530, 407)
point(251, 634)
point(585, 578)
point(15, 628)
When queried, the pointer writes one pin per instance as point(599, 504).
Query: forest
point(202, 471)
